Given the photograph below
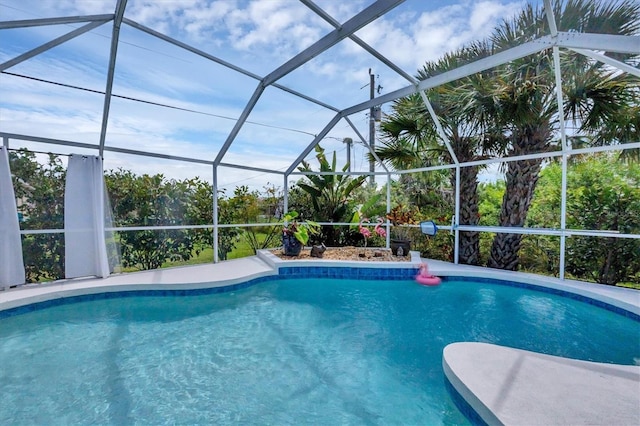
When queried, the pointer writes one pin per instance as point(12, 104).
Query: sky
point(201, 100)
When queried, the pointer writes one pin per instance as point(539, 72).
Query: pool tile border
point(549, 290)
point(293, 272)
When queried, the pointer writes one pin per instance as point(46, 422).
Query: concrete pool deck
point(502, 385)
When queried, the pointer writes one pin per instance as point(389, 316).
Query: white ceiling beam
point(252, 169)
point(239, 123)
point(551, 19)
point(439, 129)
point(377, 9)
point(365, 143)
point(39, 139)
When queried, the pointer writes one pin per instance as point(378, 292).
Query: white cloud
point(257, 35)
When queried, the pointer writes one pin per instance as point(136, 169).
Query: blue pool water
point(295, 351)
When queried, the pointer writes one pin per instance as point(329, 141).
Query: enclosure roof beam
point(324, 15)
point(219, 61)
point(377, 9)
point(438, 125)
point(480, 65)
point(604, 42)
point(51, 44)
point(609, 61)
point(252, 169)
point(239, 123)
point(551, 19)
point(315, 142)
point(62, 142)
point(115, 36)
point(6, 25)
point(371, 150)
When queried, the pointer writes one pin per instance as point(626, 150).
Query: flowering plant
point(401, 215)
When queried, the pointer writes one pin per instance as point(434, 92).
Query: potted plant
point(295, 235)
point(400, 216)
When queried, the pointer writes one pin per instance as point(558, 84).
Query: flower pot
point(405, 244)
point(291, 245)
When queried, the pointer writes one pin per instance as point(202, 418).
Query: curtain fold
point(11, 262)
point(84, 212)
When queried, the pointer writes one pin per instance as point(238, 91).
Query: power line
point(129, 98)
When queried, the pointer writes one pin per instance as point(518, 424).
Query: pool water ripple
point(308, 351)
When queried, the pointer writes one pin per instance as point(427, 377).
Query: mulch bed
point(373, 254)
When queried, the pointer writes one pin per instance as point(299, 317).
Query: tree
point(151, 201)
point(604, 195)
point(411, 139)
point(520, 100)
point(39, 189)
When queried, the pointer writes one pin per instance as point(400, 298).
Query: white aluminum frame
point(589, 45)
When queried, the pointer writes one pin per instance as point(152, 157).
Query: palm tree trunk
point(469, 240)
point(522, 177)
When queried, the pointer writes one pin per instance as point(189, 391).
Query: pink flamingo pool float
point(425, 278)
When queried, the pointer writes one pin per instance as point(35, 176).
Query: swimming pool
point(285, 351)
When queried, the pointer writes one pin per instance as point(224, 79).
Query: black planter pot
point(291, 245)
point(405, 244)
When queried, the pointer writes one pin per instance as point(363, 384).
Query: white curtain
point(11, 263)
point(84, 241)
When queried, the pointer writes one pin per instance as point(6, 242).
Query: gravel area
point(373, 254)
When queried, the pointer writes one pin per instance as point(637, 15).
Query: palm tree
point(520, 100)
point(410, 138)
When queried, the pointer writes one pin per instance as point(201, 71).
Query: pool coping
point(266, 264)
point(499, 385)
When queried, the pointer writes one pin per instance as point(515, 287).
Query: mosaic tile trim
point(461, 404)
point(348, 273)
point(309, 272)
point(549, 290)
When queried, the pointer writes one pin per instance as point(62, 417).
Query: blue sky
point(257, 36)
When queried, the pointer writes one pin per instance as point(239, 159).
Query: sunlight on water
point(283, 352)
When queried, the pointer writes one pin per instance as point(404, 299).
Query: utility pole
point(372, 127)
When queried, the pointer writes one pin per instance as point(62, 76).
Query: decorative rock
point(317, 251)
